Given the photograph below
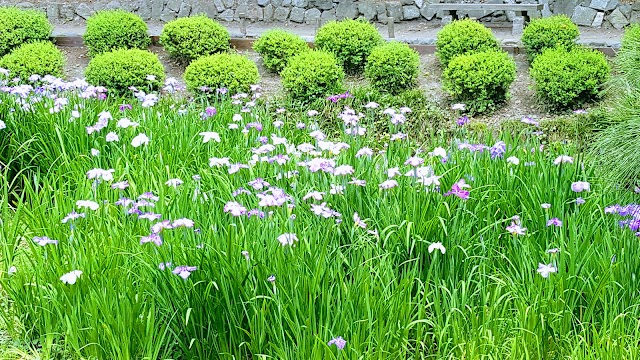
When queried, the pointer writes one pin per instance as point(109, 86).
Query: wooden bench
point(449, 12)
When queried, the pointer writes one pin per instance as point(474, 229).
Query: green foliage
point(547, 33)
point(189, 38)
point(480, 80)
point(580, 128)
point(615, 152)
point(41, 58)
point(19, 26)
point(312, 75)
point(120, 69)
point(234, 72)
point(566, 79)
point(464, 37)
point(277, 46)
point(393, 67)
point(115, 29)
point(351, 41)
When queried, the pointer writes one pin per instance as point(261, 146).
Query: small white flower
point(2, 125)
point(513, 160)
point(75, 114)
point(437, 246)
point(140, 139)
point(210, 135)
point(95, 152)
point(71, 277)
point(112, 137)
point(151, 77)
point(544, 270)
point(287, 239)
point(439, 152)
point(174, 183)
point(87, 204)
point(459, 107)
point(545, 206)
point(563, 159)
point(12, 270)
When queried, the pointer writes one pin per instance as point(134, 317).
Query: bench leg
point(518, 26)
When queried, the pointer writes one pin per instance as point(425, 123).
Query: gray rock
point(498, 16)
point(598, 20)
point(263, 2)
point(410, 12)
point(156, 8)
point(617, 19)
point(328, 15)
point(322, 4)
point(281, 14)
point(381, 10)
point(276, 3)
point(286, 2)
point(207, 8)
point(394, 10)
point(168, 15)
point(407, 2)
point(113, 6)
point(419, 3)
point(546, 11)
point(53, 11)
point(226, 15)
point(625, 10)
point(427, 13)
point(368, 10)
point(68, 13)
point(347, 10)
point(84, 11)
point(219, 5)
point(635, 17)
point(583, 16)
point(447, 19)
point(229, 3)
point(24, 5)
point(297, 15)
point(599, 4)
point(300, 3)
point(255, 13)
point(173, 5)
point(635, 6)
point(185, 9)
point(614, 4)
point(240, 9)
point(311, 15)
point(268, 12)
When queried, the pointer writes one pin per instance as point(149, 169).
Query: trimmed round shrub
point(41, 58)
point(18, 26)
point(120, 69)
point(276, 48)
point(480, 80)
point(547, 33)
point(464, 37)
point(113, 30)
point(312, 75)
point(566, 79)
point(234, 72)
point(351, 41)
point(189, 38)
point(393, 67)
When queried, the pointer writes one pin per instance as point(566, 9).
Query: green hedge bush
point(480, 80)
point(464, 37)
point(393, 67)
point(120, 69)
point(312, 75)
point(234, 72)
point(547, 33)
point(351, 41)
point(567, 79)
point(115, 29)
point(189, 38)
point(18, 26)
point(277, 46)
point(41, 58)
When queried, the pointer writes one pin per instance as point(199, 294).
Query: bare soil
point(522, 102)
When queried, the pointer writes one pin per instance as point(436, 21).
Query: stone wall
point(595, 13)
